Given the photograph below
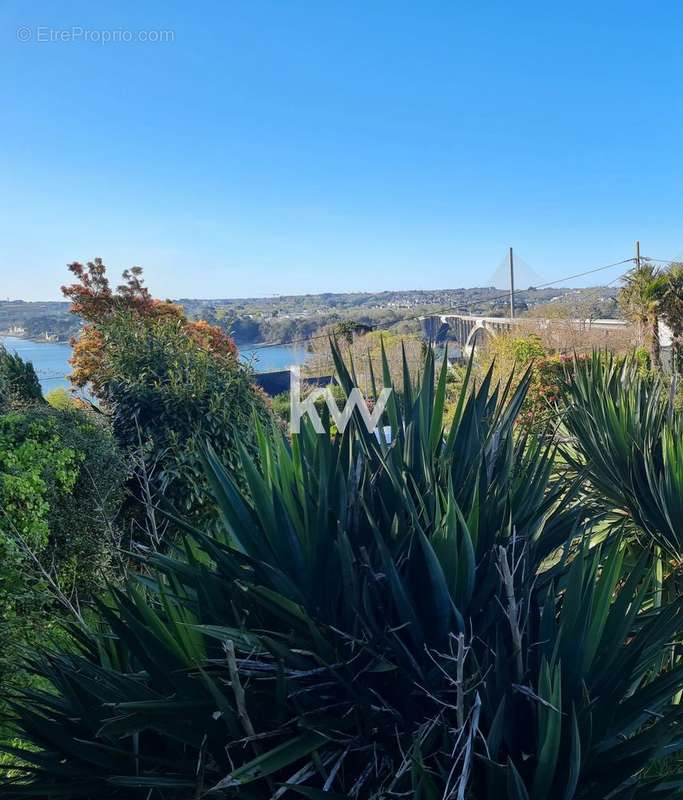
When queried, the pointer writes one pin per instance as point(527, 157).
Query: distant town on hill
point(287, 318)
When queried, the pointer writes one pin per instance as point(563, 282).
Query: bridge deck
point(540, 321)
point(463, 329)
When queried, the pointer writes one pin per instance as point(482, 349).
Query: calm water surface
point(51, 359)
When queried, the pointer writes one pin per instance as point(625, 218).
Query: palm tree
point(672, 311)
point(641, 300)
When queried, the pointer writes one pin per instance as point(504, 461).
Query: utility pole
point(512, 285)
point(638, 254)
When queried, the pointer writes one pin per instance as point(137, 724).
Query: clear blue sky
point(287, 146)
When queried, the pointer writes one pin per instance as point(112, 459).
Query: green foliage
point(546, 372)
point(61, 480)
point(642, 359)
point(172, 395)
point(520, 349)
point(19, 384)
point(641, 300)
point(628, 440)
point(672, 311)
point(423, 618)
point(60, 398)
point(34, 468)
point(281, 406)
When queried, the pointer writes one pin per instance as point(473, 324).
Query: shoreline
point(240, 345)
point(25, 338)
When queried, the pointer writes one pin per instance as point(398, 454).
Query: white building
point(666, 343)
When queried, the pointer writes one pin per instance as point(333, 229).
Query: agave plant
point(628, 439)
point(423, 617)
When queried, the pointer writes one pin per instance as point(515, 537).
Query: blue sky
point(285, 146)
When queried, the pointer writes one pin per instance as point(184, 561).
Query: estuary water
point(51, 359)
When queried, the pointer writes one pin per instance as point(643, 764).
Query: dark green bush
point(19, 384)
point(61, 485)
point(170, 394)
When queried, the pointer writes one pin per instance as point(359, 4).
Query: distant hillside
point(291, 317)
point(38, 320)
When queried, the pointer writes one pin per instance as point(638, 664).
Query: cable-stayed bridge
point(463, 329)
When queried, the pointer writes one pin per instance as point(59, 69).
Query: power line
point(464, 306)
point(587, 272)
point(676, 260)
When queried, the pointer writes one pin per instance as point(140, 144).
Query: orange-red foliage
point(93, 299)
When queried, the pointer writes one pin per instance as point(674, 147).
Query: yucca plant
point(423, 617)
point(627, 438)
